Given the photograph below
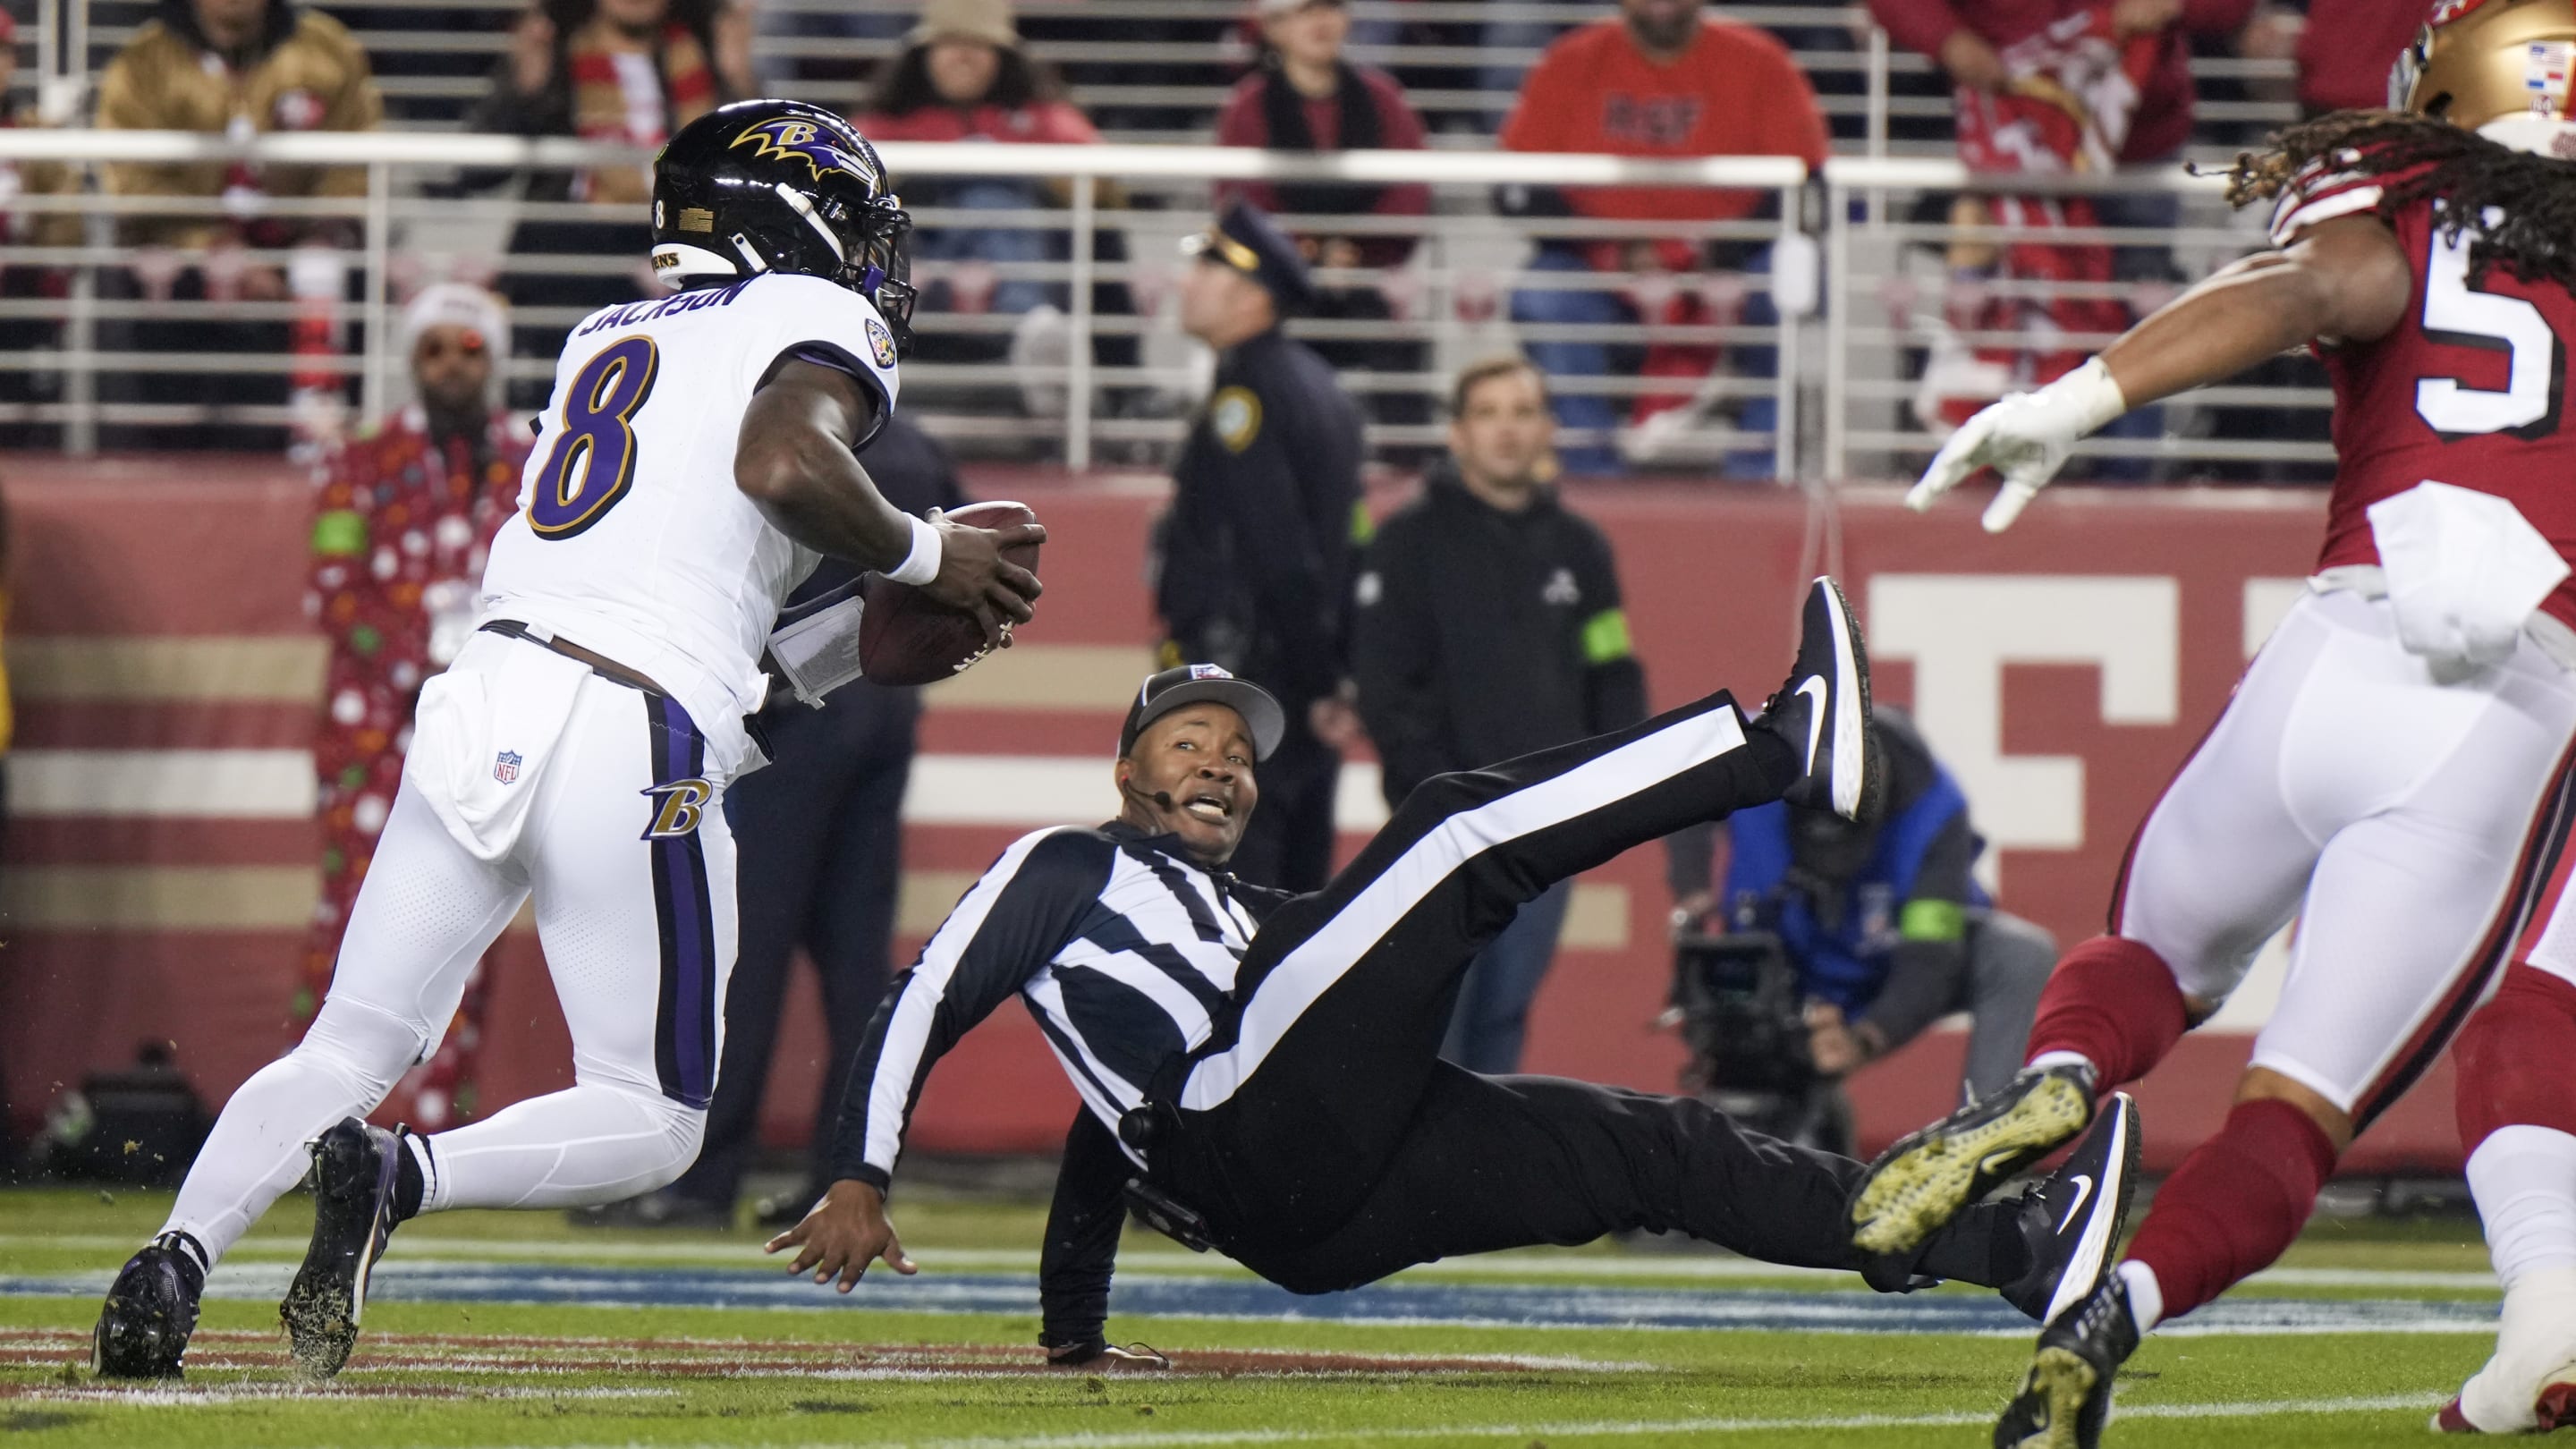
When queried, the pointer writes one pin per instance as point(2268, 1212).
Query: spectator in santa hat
point(404, 517)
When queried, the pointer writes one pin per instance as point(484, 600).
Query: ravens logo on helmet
point(791, 137)
point(782, 186)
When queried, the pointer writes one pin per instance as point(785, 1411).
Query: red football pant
point(2113, 1002)
point(2517, 1058)
point(2235, 1204)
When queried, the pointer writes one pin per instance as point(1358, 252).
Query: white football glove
point(2024, 437)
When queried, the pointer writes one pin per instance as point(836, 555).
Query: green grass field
point(497, 1329)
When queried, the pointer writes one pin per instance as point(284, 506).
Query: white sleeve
point(822, 322)
point(2322, 192)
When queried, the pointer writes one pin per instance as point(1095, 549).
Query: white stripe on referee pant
point(1319, 960)
point(908, 1031)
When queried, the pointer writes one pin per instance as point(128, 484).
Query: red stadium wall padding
point(2063, 669)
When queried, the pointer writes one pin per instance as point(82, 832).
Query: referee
point(1260, 1073)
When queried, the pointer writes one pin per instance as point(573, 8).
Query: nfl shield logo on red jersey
point(505, 766)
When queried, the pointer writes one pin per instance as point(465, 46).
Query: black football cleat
point(151, 1309)
point(1924, 1178)
point(2065, 1396)
point(355, 1168)
point(1822, 711)
point(2073, 1218)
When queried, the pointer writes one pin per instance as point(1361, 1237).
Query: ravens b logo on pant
point(683, 805)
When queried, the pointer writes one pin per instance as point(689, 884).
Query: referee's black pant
point(1328, 1145)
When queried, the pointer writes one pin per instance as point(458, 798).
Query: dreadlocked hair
point(2533, 236)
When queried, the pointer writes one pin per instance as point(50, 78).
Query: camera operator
point(1886, 927)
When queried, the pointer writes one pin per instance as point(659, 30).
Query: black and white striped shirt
point(1123, 947)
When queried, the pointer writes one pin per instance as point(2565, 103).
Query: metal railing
point(1894, 324)
point(1751, 370)
point(394, 227)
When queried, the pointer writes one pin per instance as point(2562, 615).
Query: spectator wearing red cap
point(1306, 96)
point(1659, 80)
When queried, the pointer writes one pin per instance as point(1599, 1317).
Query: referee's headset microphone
point(1161, 799)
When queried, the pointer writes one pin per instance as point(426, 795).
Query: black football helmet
point(782, 186)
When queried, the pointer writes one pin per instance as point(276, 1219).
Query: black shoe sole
point(322, 1307)
point(124, 1347)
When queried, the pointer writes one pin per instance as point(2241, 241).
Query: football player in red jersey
point(2394, 767)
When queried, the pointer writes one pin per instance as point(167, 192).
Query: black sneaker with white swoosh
point(1822, 711)
point(356, 1166)
point(2072, 1219)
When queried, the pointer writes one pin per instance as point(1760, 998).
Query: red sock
point(2113, 1002)
point(2235, 1203)
point(2517, 1058)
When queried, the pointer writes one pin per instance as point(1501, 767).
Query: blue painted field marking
point(1554, 1305)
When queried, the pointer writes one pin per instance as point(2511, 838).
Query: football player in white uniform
point(694, 463)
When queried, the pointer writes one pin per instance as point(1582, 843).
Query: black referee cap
point(1246, 239)
point(1213, 683)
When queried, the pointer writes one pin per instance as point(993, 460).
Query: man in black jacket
point(1255, 556)
point(1259, 1072)
point(1488, 625)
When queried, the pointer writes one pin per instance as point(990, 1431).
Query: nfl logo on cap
point(505, 766)
point(1210, 671)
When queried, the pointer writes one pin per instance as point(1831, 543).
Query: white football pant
point(611, 816)
point(2409, 824)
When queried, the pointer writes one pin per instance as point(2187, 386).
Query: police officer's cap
point(1246, 239)
point(1212, 684)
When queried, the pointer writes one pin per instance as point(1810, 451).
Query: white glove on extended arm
point(2024, 437)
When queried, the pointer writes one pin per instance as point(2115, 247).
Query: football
point(906, 638)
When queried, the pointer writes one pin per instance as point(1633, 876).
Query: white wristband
point(922, 564)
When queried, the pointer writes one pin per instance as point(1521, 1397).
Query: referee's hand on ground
point(845, 1233)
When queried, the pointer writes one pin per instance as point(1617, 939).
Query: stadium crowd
point(1638, 302)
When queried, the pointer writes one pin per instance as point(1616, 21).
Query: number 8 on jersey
point(592, 463)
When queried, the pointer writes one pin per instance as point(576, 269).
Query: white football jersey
point(631, 538)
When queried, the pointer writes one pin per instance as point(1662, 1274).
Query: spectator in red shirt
point(1304, 96)
point(1662, 81)
point(964, 77)
point(1966, 38)
point(1969, 40)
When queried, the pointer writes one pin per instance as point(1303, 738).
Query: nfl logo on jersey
point(505, 766)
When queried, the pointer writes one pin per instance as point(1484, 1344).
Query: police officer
point(1886, 925)
point(1256, 553)
point(1487, 624)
